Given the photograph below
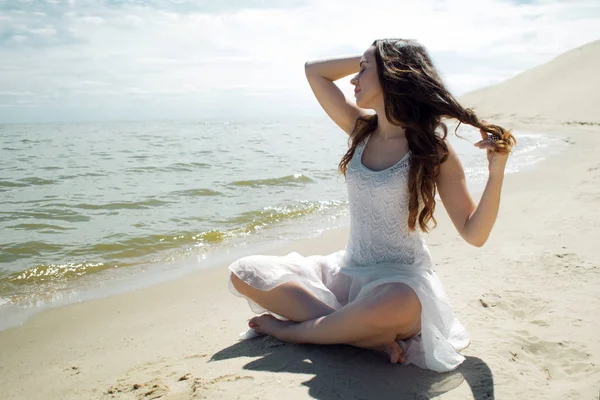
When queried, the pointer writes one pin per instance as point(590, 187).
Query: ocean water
point(89, 209)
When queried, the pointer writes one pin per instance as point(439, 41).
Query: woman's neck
point(386, 130)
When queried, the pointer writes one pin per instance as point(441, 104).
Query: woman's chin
point(360, 102)
point(364, 106)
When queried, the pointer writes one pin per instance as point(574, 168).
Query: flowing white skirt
point(335, 284)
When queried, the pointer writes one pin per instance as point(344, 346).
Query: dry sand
point(529, 298)
point(565, 90)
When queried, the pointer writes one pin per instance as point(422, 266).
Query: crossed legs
point(374, 322)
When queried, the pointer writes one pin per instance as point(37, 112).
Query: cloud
point(216, 59)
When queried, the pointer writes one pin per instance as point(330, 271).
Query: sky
point(96, 60)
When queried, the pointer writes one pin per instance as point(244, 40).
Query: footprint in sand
point(170, 383)
point(553, 360)
point(570, 264)
point(207, 387)
point(518, 304)
point(73, 370)
point(491, 299)
point(154, 389)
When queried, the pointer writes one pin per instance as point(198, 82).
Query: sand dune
point(564, 90)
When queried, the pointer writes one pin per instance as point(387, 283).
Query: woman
point(381, 291)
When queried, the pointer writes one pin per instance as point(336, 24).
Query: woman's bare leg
point(290, 300)
point(294, 302)
point(371, 321)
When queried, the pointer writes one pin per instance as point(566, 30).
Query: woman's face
point(367, 89)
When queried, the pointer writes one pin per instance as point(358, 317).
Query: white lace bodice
point(378, 202)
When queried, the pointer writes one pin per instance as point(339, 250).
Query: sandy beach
point(529, 299)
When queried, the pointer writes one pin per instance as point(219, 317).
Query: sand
point(529, 299)
point(564, 91)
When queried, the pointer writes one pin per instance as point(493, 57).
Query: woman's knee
point(239, 284)
point(241, 266)
point(397, 306)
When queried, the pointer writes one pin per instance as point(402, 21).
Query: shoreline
point(138, 277)
point(528, 299)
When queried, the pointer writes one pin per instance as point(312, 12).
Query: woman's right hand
point(321, 75)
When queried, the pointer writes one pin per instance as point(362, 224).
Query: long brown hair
point(417, 99)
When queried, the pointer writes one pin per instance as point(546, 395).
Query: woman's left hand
point(496, 160)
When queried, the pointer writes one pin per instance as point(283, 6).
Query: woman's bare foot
point(269, 325)
point(395, 353)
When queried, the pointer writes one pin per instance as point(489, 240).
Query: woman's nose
point(354, 80)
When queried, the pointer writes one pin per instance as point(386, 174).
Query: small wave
point(177, 167)
point(35, 202)
point(289, 180)
point(92, 174)
point(186, 166)
point(136, 205)
point(51, 214)
point(196, 193)
point(66, 177)
point(147, 169)
point(35, 227)
point(9, 184)
point(35, 181)
point(259, 219)
point(16, 251)
point(135, 248)
point(65, 205)
point(87, 174)
point(126, 251)
point(42, 273)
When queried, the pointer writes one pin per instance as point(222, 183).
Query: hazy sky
point(133, 59)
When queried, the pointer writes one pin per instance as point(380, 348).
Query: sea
point(88, 210)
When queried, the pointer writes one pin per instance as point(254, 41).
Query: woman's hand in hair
point(497, 154)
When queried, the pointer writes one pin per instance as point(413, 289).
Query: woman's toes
point(396, 353)
point(265, 324)
point(254, 323)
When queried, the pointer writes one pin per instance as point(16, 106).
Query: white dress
point(381, 249)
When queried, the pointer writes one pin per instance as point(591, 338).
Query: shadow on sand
point(345, 372)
